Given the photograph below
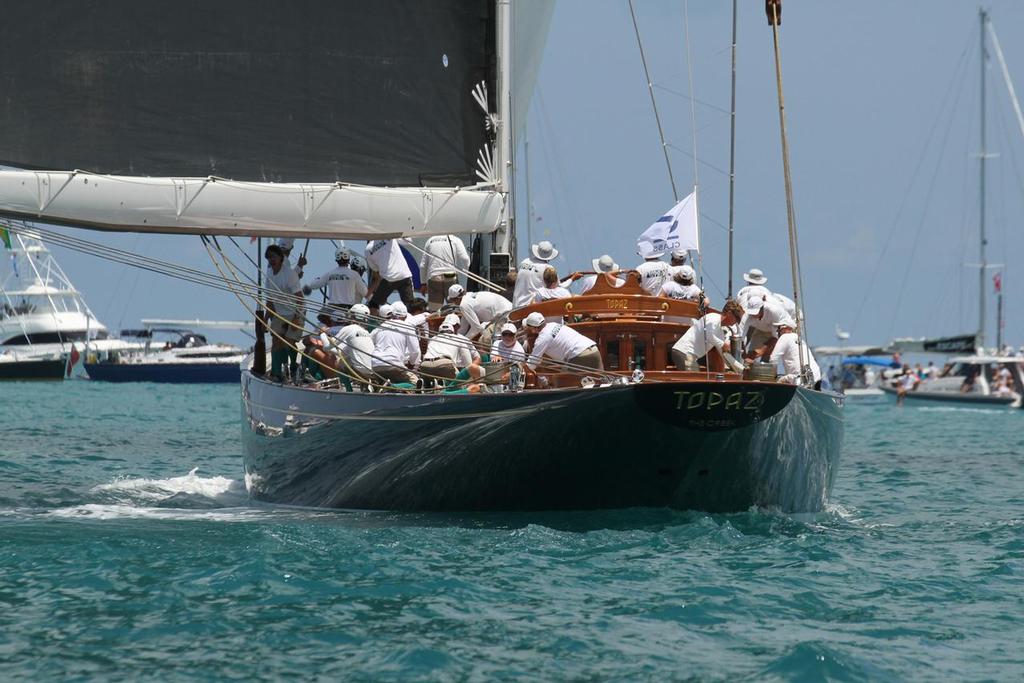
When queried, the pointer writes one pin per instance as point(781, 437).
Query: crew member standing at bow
point(345, 287)
point(530, 276)
point(443, 256)
point(284, 311)
point(653, 271)
point(389, 273)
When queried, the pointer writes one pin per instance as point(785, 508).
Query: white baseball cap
point(455, 291)
point(755, 277)
point(340, 254)
point(385, 310)
point(605, 264)
point(535, 319)
point(446, 327)
point(451, 319)
point(286, 243)
point(544, 251)
point(509, 327)
point(679, 254)
point(754, 305)
point(359, 311)
point(688, 272)
point(398, 310)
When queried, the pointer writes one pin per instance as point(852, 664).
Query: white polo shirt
point(355, 344)
point(675, 290)
point(395, 344)
point(454, 347)
point(283, 282)
point(558, 342)
point(529, 279)
point(549, 293)
point(704, 334)
point(787, 350)
point(385, 257)
point(480, 308)
point(587, 282)
point(443, 255)
point(653, 275)
point(344, 286)
point(508, 352)
point(773, 313)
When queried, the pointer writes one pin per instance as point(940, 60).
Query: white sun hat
point(646, 250)
point(688, 272)
point(535, 319)
point(605, 264)
point(509, 327)
point(755, 277)
point(455, 291)
point(543, 251)
point(679, 254)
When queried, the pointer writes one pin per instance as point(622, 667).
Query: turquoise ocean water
point(129, 551)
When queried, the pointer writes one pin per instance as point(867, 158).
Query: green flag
point(5, 237)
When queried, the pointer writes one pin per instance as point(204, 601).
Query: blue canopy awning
point(881, 361)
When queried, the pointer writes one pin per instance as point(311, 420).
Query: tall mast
point(982, 266)
point(529, 204)
point(732, 146)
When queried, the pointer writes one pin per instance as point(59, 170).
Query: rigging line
point(654, 103)
point(468, 274)
point(968, 48)
point(921, 223)
point(690, 155)
point(1006, 75)
point(670, 91)
point(556, 155)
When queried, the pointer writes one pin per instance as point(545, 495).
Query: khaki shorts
point(437, 290)
point(438, 367)
point(282, 328)
point(591, 358)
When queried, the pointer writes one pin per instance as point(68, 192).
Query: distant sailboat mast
point(982, 155)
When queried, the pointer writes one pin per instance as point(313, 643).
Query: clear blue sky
point(865, 84)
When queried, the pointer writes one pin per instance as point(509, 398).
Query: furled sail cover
point(375, 92)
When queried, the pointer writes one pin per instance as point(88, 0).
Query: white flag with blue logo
point(677, 229)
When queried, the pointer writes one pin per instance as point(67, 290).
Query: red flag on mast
point(997, 280)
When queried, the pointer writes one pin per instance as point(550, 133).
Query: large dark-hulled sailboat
point(381, 120)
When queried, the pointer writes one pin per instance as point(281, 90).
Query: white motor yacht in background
point(45, 324)
point(976, 380)
point(172, 353)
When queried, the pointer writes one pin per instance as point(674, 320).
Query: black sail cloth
point(378, 93)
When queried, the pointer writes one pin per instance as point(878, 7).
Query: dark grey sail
point(377, 93)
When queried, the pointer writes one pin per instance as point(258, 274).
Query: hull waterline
point(165, 373)
point(956, 397)
point(47, 369)
point(708, 446)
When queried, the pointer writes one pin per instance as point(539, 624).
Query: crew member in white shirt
point(677, 259)
point(603, 266)
point(707, 333)
point(389, 273)
point(755, 280)
point(758, 325)
point(284, 311)
point(396, 349)
point(553, 288)
point(788, 350)
point(352, 345)
point(682, 286)
point(447, 353)
point(443, 257)
point(287, 244)
point(506, 347)
point(345, 287)
point(653, 271)
point(479, 311)
point(560, 343)
point(530, 275)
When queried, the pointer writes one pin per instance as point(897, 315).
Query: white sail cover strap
point(215, 206)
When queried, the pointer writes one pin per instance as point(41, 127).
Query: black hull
point(50, 369)
point(165, 373)
point(709, 446)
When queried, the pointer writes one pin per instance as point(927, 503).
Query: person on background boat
point(553, 288)
point(396, 349)
point(530, 275)
point(907, 381)
point(560, 343)
point(388, 273)
point(447, 353)
point(756, 281)
point(788, 350)
point(443, 257)
point(480, 310)
point(345, 287)
point(284, 312)
point(605, 265)
point(653, 271)
point(676, 260)
point(682, 287)
point(757, 326)
point(707, 333)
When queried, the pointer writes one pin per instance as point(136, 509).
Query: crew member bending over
point(788, 350)
point(705, 334)
point(396, 349)
point(561, 343)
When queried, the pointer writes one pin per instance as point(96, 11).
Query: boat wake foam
point(190, 491)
